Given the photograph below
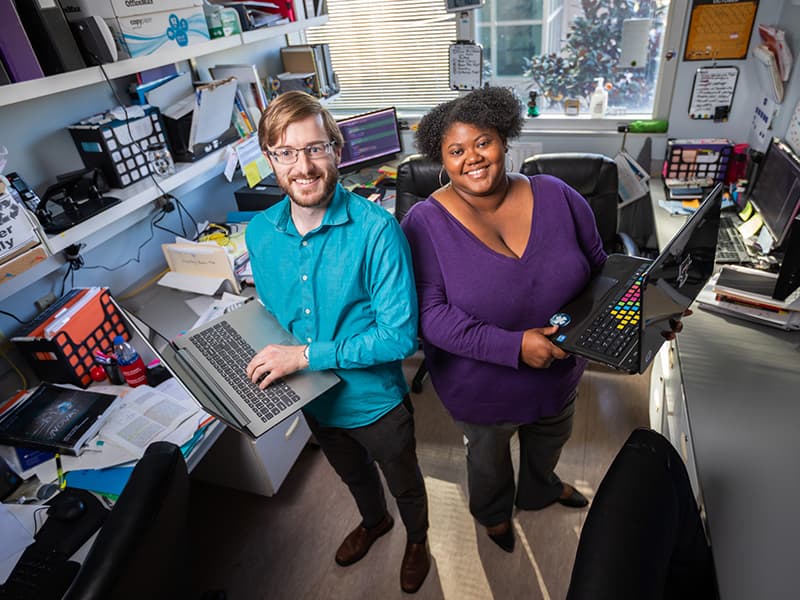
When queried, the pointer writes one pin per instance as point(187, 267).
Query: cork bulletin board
point(720, 31)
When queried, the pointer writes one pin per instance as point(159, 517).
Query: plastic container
point(130, 363)
point(598, 103)
point(648, 126)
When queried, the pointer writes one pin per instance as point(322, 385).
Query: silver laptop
point(210, 362)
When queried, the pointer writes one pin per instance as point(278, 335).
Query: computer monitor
point(776, 191)
point(369, 139)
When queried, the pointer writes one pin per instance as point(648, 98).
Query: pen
point(62, 481)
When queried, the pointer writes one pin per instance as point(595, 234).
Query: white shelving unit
point(136, 200)
point(29, 90)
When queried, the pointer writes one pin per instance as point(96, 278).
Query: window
point(395, 52)
point(389, 52)
point(558, 47)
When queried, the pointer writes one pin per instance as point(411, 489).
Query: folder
point(50, 36)
point(198, 268)
point(212, 110)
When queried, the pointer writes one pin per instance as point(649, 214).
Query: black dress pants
point(390, 443)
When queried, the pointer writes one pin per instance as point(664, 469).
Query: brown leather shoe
point(415, 567)
point(356, 545)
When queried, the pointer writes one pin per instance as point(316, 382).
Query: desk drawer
point(255, 466)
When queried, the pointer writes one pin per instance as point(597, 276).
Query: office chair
point(643, 536)
point(141, 549)
point(417, 178)
point(595, 177)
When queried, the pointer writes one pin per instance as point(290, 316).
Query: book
point(55, 419)
point(15, 47)
point(50, 36)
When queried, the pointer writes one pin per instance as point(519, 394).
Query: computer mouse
point(66, 509)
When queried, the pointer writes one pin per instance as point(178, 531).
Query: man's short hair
point(289, 108)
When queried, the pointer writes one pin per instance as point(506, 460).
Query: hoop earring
point(509, 160)
point(441, 183)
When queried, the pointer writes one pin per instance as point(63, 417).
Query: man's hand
point(539, 352)
point(274, 362)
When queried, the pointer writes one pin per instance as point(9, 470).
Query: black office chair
point(417, 178)
point(643, 536)
point(142, 549)
point(595, 177)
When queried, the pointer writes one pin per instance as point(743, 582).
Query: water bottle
point(130, 363)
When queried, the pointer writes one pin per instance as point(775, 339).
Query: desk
point(729, 403)
point(228, 457)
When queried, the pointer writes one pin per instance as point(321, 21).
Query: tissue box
point(139, 35)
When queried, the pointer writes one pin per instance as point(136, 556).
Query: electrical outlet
point(45, 301)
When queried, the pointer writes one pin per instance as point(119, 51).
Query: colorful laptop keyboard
point(614, 329)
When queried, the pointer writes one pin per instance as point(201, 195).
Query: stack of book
point(747, 294)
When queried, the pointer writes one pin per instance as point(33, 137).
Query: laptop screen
point(676, 277)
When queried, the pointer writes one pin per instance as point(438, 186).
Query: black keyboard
point(40, 574)
point(229, 353)
point(613, 332)
point(730, 246)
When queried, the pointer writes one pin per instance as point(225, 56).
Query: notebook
point(210, 362)
point(621, 317)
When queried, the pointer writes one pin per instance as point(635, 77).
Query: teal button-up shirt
point(346, 289)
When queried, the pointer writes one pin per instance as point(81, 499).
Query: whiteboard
point(466, 62)
point(712, 94)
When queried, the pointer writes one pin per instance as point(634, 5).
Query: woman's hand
point(539, 352)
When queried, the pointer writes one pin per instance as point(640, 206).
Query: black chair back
point(417, 178)
point(141, 550)
point(594, 176)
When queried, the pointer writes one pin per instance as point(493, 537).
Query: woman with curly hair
point(495, 255)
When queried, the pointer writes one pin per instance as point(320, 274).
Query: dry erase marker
point(62, 481)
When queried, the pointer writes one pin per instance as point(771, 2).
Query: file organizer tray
point(68, 355)
point(700, 162)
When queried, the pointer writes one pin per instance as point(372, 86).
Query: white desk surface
point(741, 383)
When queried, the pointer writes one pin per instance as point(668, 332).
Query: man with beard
point(335, 270)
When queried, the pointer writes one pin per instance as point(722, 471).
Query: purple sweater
point(475, 304)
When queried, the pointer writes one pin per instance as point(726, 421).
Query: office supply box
point(60, 344)
point(106, 143)
point(141, 27)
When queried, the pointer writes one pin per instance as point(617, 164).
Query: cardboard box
point(23, 262)
point(109, 9)
point(139, 35)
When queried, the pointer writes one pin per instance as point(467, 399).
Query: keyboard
point(228, 352)
point(40, 574)
point(730, 246)
point(613, 332)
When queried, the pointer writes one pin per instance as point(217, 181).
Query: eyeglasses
point(288, 156)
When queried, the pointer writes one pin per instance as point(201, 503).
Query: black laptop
point(621, 317)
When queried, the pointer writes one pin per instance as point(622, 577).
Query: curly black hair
point(491, 107)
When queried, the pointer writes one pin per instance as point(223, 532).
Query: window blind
point(389, 52)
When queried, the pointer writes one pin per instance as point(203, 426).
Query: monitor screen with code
point(369, 139)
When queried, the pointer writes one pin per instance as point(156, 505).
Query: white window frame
point(557, 124)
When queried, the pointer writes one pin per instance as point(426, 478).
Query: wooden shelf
point(36, 88)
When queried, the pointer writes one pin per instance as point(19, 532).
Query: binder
point(50, 36)
point(15, 47)
point(250, 85)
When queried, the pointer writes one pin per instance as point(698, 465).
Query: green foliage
point(592, 50)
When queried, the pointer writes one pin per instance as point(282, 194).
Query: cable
point(141, 150)
point(17, 370)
